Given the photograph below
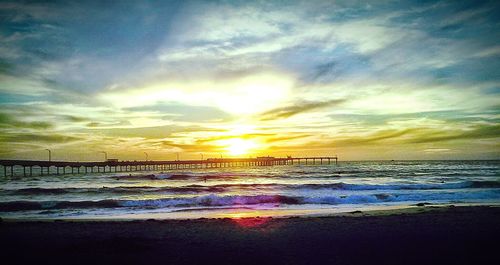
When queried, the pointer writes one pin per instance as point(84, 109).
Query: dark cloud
point(373, 138)
point(7, 121)
point(38, 138)
point(327, 69)
point(341, 63)
point(286, 138)
point(5, 67)
point(108, 124)
point(12, 148)
point(93, 124)
point(299, 107)
point(75, 118)
point(403, 136)
point(479, 132)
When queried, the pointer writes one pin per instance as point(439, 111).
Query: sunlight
point(239, 95)
point(254, 93)
point(238, 146)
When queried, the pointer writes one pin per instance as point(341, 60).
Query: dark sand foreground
point(455, 235)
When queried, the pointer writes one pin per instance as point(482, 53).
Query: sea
point(261, 191)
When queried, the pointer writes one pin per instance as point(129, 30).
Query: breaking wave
point(272, 186)
point(213, 200)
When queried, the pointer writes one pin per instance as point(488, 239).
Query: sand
point(427, 235)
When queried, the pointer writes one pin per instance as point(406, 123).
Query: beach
point(420, 235)
point(375, 212)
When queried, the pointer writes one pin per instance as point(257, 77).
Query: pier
point(114, 165)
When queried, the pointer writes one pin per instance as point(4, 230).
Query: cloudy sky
point(364, 80)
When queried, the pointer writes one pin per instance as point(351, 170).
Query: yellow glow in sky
point(238, 147)
point(244, 95)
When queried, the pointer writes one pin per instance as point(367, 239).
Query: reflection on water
point(251, 222)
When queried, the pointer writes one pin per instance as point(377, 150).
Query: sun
point(238, 146)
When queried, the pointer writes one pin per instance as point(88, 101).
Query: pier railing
point(25, 167)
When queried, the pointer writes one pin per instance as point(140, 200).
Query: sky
point(362, 80)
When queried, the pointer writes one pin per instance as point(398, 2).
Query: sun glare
point(237, 146)
point(245, 95)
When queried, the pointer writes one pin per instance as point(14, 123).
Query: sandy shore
point(451, 235)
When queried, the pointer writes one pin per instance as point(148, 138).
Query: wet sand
point(427, 235)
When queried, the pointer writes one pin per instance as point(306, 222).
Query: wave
point(253, 187)
point(118, 190)
point(186, 176)
point(297, 174)
point(454, 185)
point(46, 205)
point(209, 200)
point(217, 201)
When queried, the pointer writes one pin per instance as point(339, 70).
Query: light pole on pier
point(177, 156)
point(105, 155)
point(146, 156)
point(50, 154)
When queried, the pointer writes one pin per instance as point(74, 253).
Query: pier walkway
point(25, 167)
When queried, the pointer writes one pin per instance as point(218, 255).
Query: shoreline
point(241, 213)
point(422, 235)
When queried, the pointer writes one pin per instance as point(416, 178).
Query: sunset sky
point(364, 80)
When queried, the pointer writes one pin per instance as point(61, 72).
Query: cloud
point(188, 147)
point(72, 118)
point(297, 108)
point(476, 133)
point(437, 150)
point(93, 124)
point(185, 113)
point(5, 67)
point(7, 121)
point(155, 132)
point(488, 52)
point(372, 138)
point(402, 138)
point(287, 138)
point(39, 138)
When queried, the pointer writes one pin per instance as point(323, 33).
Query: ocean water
point(251, 191)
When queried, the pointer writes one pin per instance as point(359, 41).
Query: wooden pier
point(113, 165)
